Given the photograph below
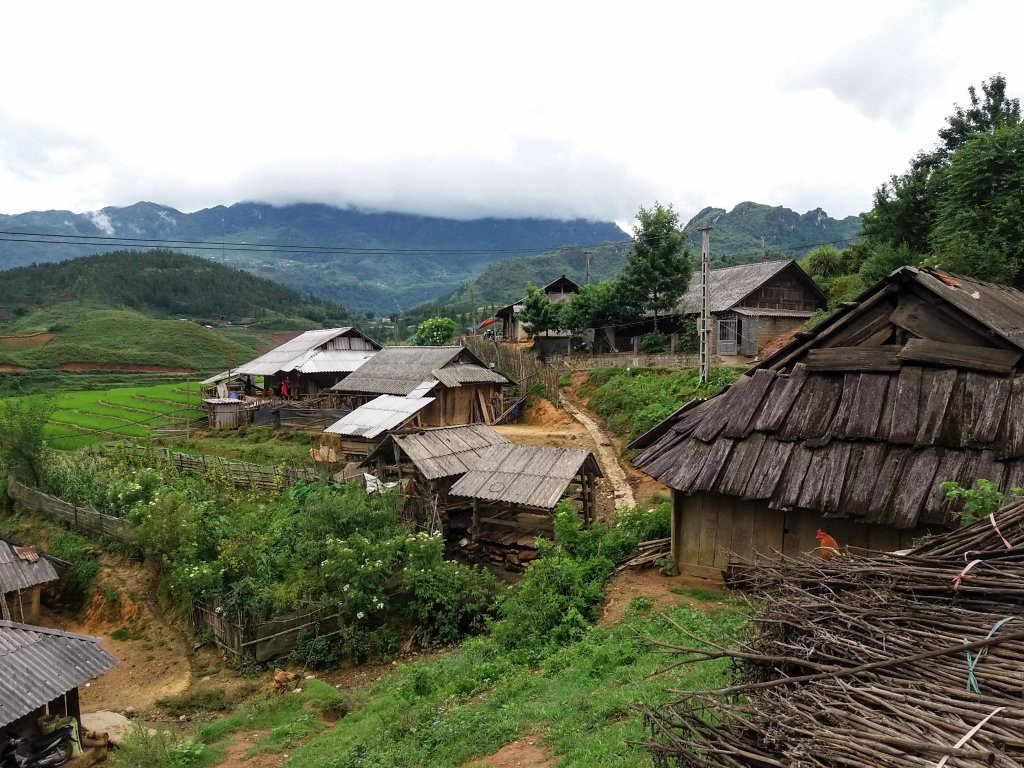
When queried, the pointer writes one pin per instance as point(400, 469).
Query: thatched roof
point(867, 414)
point(442, 451)
point(532, 476)
point(404, 370)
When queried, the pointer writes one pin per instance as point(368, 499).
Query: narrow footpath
point(606, 456)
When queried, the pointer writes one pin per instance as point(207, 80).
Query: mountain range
point(384, 262)
point(365, 260)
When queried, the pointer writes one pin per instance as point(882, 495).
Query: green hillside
point(107, 338)
point(160, 283)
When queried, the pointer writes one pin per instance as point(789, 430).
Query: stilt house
point(463, 388)
point(513, 491)
point(430, 461)
point(851, 427)
point(23, 574)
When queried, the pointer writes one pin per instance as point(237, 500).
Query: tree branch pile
point(887, 660)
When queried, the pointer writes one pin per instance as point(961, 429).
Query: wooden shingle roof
point(917, 382)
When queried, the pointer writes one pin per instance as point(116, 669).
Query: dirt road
point(607, 457)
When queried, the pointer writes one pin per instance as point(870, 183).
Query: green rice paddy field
point(95, 416)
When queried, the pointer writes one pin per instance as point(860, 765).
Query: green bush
point(76, 584)
point(978, 502)
point(653, 342)
point(449, 600)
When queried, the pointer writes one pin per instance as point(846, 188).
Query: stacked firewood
point(914, 660)
point(647, 552)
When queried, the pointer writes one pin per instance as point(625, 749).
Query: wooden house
point(852, 426)
point(509, 316)
point(464, 390)
point(23, 574)
point(367, 426)
point(429, 462)
point(750, 305)
point(42, 669)
point(312, 362)
point(513, 491)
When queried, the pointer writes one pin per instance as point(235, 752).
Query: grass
point(259, 445)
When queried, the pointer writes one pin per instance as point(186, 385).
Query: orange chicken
point(827, 546)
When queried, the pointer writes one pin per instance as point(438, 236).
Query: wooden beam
point(876, 359)
point(971, 357)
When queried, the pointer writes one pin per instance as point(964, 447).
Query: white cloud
point(469, 109)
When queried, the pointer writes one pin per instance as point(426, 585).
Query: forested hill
point(160, 283)
point(749, 232)
point(389, 261)
point(756, 232)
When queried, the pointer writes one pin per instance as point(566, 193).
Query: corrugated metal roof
point(305, 349)
point(16, 573)
point(401, 370)
point(530, 475)
point(759, 312)
point(379, 415)
point(41, 664)
point(729, 285)
point(447, 451)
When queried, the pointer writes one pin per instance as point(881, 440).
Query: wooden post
point(398, 459)
point(474, 528)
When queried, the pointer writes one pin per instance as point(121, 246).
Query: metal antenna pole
point(705, 304)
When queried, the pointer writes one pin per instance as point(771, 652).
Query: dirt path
point(650, 584)
point(606, 456)
point(524, 753)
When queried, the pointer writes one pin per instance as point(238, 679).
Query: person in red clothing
point(286, 387)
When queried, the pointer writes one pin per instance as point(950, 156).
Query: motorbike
point(50, 749)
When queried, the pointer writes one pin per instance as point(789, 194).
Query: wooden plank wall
point(707, 530)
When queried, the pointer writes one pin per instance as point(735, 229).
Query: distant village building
point(851, 427)
point(750, 305)
point(510, 316)
point(23, 574)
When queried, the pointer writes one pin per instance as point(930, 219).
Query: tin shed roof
point(21, 571)
point(41, 664)
point(379, 415)
point(529, 475)
point(444, 451)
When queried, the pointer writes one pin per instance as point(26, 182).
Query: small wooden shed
point(23, 574)
point(429, 462)
point(513, 491)
point(42, 669)
point(851, 427)
point(464, 390)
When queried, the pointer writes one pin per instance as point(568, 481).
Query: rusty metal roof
point(379, 415)
point(403, 370)
point(444, 451)
point(40, 664)
point(17, 573)
point(533, 476)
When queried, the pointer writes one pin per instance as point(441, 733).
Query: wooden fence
point(85, 519)
point(262, 639)
point(242, 473)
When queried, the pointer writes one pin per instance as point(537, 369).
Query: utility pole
point(705, 304)
point(587, 254)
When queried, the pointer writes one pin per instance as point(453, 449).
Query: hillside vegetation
point(161, 283)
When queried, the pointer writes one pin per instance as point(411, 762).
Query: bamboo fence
point(85, 519)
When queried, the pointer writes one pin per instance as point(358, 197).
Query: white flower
point(345, 588)
point(359, 615)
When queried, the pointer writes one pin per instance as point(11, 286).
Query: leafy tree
point(659, 263)
point(435, 332)
point(979, 223)
point(598, 306)
point(539, 313)
point(983, 116)
point(882, 261)
point(824, 263)
point(22, 445)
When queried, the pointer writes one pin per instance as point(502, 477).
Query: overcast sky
point(552, 109)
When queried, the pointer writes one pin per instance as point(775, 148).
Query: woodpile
point(647, 552)
point(914, 660)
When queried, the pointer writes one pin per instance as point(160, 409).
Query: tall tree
point(659, 263)
point(22, 443)
point(539, 314)
point(435, 332)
